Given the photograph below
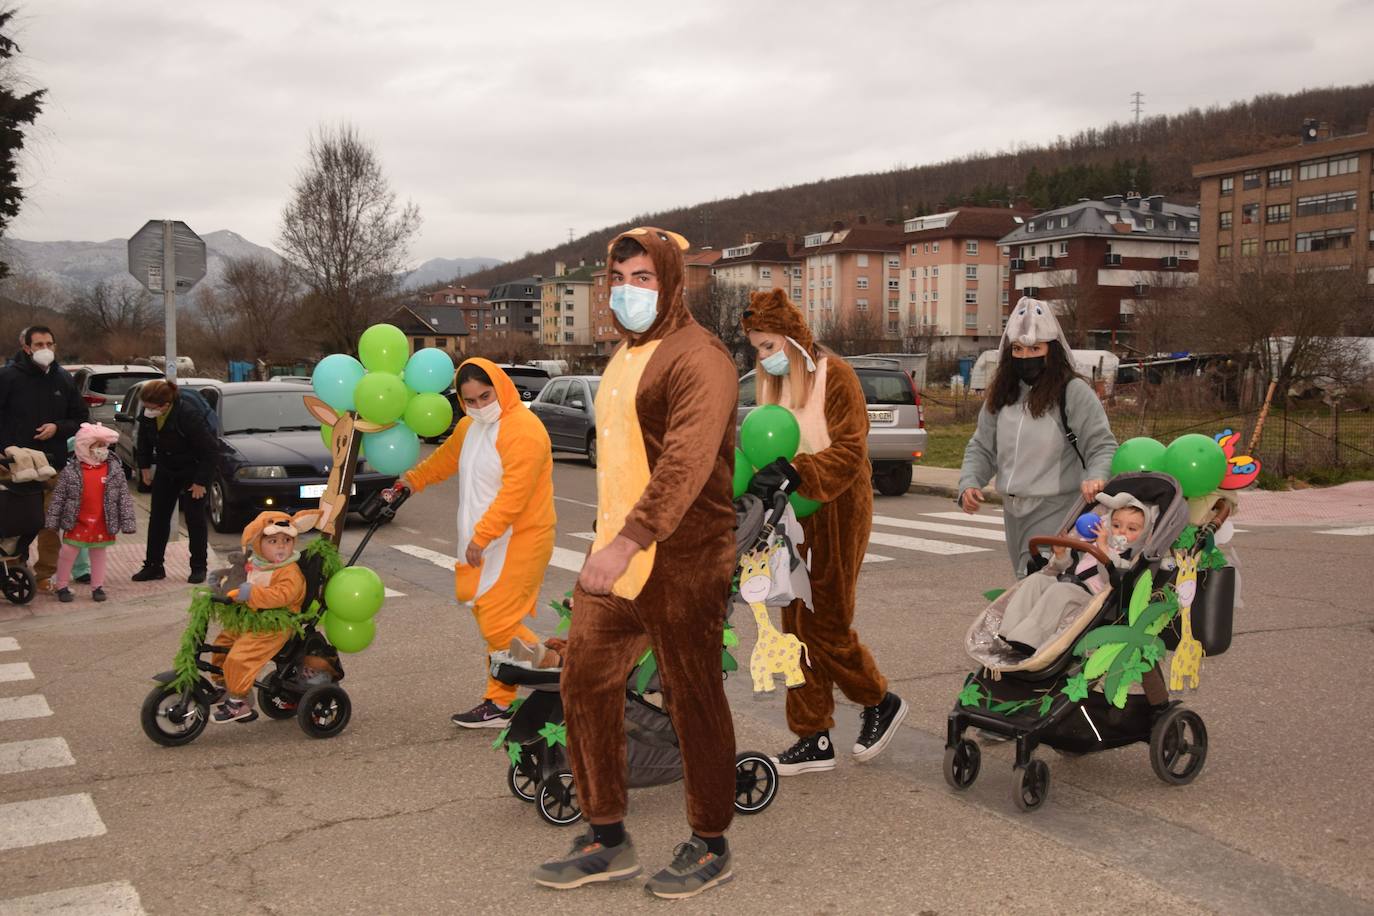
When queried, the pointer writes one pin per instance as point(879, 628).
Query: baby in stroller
point(23, 475)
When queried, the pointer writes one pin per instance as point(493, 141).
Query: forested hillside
point(1156, 158)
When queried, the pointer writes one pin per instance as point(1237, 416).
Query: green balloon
point(803, 506)
point(1196, 462)
point(349, 635)
point(769, 433)
point(380, 397)
point(1138, 454)
point(384, 348)
point(744, 473)
point(428, 414)
point(354, 593)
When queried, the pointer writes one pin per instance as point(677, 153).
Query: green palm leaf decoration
point(1124, 653)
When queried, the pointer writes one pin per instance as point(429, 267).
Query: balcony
point(1113, 260)
point(1046, 263)
point(1018, 264)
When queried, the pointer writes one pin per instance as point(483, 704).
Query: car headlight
point(261, 472)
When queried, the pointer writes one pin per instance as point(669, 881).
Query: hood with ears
point(507, 395)
point(1121, 500)
point(278, 523)
point(773, 313)
point(666, 250)
point(89, 436)
point(1032, 321)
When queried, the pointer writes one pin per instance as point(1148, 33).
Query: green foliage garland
point(239, 618)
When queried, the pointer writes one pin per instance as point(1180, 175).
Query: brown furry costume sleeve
point(834, 471)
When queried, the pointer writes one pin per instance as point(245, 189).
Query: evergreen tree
point(1144, 179)
point(16, 112)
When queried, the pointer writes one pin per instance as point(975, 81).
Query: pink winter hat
point(90, 435)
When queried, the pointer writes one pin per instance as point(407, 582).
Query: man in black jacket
point(176, 435)
point(40, 408)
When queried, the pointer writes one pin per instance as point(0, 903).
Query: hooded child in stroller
point(23, 475)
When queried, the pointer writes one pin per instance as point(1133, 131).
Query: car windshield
point(264, 412)
point(595, 383)
point(886, 386)
point(115, 384)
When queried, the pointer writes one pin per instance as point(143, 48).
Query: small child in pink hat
point(90, 505)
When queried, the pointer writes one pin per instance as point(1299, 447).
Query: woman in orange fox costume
point(501, 453)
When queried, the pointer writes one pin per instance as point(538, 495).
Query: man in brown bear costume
point(823, 392)
point(658, 572)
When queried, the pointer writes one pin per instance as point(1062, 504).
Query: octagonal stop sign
point(147, 252)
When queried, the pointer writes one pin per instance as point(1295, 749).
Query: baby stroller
point(304, 681)
point(1053, 697)
point(21, 518)
point(535, 739)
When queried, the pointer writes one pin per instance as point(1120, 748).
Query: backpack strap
point(1068, 430)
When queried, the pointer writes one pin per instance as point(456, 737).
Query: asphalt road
point(403, 813)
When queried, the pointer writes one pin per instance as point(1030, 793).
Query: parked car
point(271, 455)
point(896, 424)
point(104, 386)
point(529, 380)
point(127, 447)
point(567, 409)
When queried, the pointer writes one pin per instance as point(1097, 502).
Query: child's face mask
point(275, 548)
point(100, 453)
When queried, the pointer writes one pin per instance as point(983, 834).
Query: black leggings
point(168, 490)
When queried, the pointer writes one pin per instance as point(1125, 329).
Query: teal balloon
point(1196, 462)
point(380, 397)
point(744, 473)
point(429, 370)
point(769, 433)
point(384, 348)
point(1138, 454)
point(334, 379)
point(803, 506)
point(354, 593)
point(393, 450)
point(349, 635)
point(428, 414)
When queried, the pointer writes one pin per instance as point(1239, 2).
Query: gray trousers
point(1024, 517)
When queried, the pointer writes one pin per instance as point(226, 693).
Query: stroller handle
point(1045, 540)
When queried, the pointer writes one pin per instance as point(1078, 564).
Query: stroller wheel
point(171, 719)
point(324, 711)
point(962, 763)
point(19, 585)
point(756, 782)
point(276, 704)
point(522, 785)
point(1031, 786)
point(1178, 746)
point(557, 800)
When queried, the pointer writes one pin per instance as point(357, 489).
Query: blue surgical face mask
point(776, 364)
point(635, 307)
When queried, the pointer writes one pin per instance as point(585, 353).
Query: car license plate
point(316, 490)
point(880, 416)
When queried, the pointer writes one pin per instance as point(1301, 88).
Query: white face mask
point(488, 414)
point(635, 307)
point(44, 357)
point(100, 454)
point(152, 413)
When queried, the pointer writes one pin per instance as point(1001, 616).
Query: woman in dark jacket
point(176, 435)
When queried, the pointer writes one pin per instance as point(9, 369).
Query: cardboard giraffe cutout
point(774, 652)
point(1188, 656)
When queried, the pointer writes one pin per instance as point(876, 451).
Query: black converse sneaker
point(878, 725)
point(812, 753)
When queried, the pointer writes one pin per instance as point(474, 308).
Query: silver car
point(896, 423)
point(566, 407)
point(103, 386)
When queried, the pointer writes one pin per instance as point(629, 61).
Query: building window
point(1276, 246)
point(971, 272)
point(1325, 168)
point(567, 338)
point(894, 263)
point(1063, 222)
point(862, 260)
point(1063, 249)
point(913, 273)
point(1250, 180)
point(1228, 185)
point(971, 247)
point(1223, 252)
point(894, 283)
point(1030, 227)
point(927, 248)
point(765, 273)
point(970, 297)
point(935, 247)
point(935, 295)
point(568, 321)
point(1173, 225)
point(1004, 297)
point(863, 283)
point(915, 249)
point(1277, 213)
point(971, 320)
point(935, 271)
point(1337, 202)
point(1192, 225)
point(441, 342)
point(861, 304)
point(1225, 217)
point(1281, 177)
point(1149, 222)
point(1249, 213)
point(1328, 240)
point(1249, 247)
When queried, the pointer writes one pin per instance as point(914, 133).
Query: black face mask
point(1028, 368)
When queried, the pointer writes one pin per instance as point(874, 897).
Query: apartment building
point(515, 307)
point(1306, 206)
point(1094, 260)
point(426, 325)
point(472, 300)
point(853, 271)
point(761, 266)
point(566, 307)
point(697, 269)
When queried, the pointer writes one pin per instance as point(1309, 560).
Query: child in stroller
point(1076, 691)
point(23, 476)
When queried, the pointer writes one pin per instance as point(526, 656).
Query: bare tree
point(113, 320)
point(717, 307)
point(27, 298)
point(1075, 300)
point(262, 297)
point(852, 333)
point(346, 236)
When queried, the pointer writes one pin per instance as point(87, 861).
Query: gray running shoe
point(695, 869)
point(588, 862)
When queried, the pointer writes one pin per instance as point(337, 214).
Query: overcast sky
point(507, 123)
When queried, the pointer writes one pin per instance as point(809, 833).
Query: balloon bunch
point(351, 597)
point(390, 388)
point(767, 434)
point(1196, 461)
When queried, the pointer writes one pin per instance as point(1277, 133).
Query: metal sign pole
point(169, 297)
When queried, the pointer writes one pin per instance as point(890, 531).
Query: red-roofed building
point(851, 270)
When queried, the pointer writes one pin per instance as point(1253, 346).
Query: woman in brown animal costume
point(658, 573)
point(824, 394)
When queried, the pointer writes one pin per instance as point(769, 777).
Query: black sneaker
point(878, 725)
point(65, 595)
point(149, 573)
point(98, 594)
point(485, 714)
point(196, 577)
point(812, 753)
point(588, 862)
point(695, 869)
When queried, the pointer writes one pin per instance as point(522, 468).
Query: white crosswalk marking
point(876, 558)
point(8, 644)
point(888, 521)
point(1358, 531)
point(924, 545)
point(38, 754)
point(49, 820)
point(571, 560)
point(117, 898)
point(31, 706)
point(392, 593)
point(16, 671)
point(981, 518)
point(583, 535)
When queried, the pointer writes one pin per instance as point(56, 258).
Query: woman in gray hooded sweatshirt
point(1042, 468)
